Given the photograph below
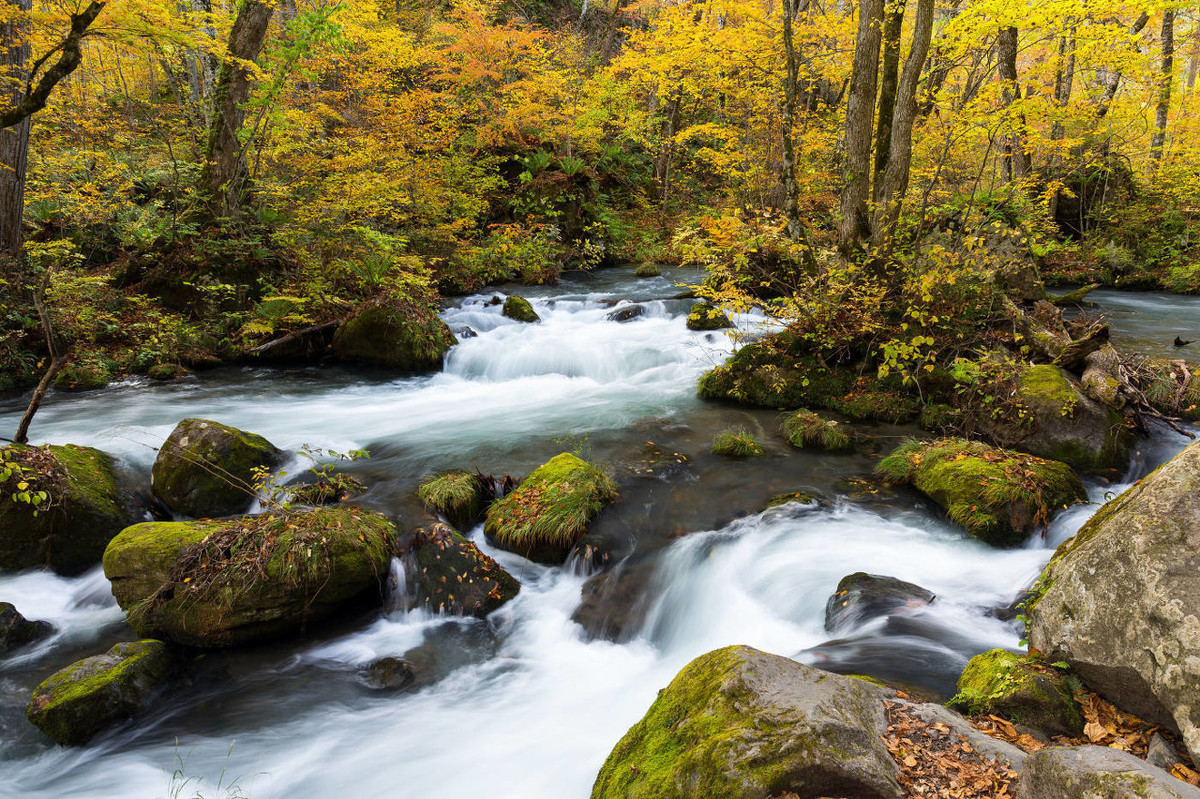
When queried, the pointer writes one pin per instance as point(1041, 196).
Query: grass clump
point(648, 270)
point(807, 430)
point(737, 443)
point(458, 495)
point(550, 510)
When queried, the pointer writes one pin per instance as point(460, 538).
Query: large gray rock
point(738, 723)
point(1121, 600)
point(1096, 772)
point(17, 631)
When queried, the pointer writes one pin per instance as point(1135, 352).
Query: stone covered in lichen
point(550, 510)
point(384, 334)
point(1008, 685)
point(706, 316)
point(450, 575)
point(518, 309)
point(999, 496)
point(739, 723)
point(83, 509)
point(74, 704)
point(207, 469)
point(460, 496)
point(238, 580)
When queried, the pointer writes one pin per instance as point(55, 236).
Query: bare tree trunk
point(1016, 158)
point(1114, 79)
point(662, 167)
point(1194, 61)
point(1064, 81)
point(1159, 138)
point(855, 228)
point(224, 175)
point(895, 176)
point(889, 76)
point(791, 92)
point(14, 141)
point(58, 359)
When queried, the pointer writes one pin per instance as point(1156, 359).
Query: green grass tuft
point(806, 429)
point(737, 443)
point(455, 494)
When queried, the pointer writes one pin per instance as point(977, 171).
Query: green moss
point(737, 443)
point(518, 309)
point(770, 374)
point(86, 375)
point(458, 495)
point(409, 339)
point(1046, 386)
point(805, 429)
point(705, 316)
point(880, 405)
point(940, 418)
point(648, 270)
point(551, 508)
point(1007, 684)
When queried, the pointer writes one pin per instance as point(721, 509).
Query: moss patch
point(737, 443)
point(775, 373)
point(518, 309)
point(458, 495)
point(1013, 687)
point(648, 270)
point(394, 337)
point(806, 429)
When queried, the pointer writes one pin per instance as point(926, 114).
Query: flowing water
point(528, 702)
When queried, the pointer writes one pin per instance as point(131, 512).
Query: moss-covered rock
point(872, 401)
point(808, 430)
point(1097, 772)
point(860, 597)
point(706, 316)
point(737, 443)
point(550, 510)
point(326, 490)
point(167, 371)
point(83, 509)
point(17, 631)
point(460, 496)
point(76, 703)
point(738, 723)
point(382, 334)
point(775, 372)
point(227, 582)
point(648, 270)
point(206, 468)
point(999, 496)
point(88, 374)
point(1010, 686)
point(450, 575)
point(518, 309)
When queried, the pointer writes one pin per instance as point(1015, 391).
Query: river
point(527, 703)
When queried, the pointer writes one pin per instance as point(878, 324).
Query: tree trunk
point(1016, 159)
point(1164, 93)
point(890, 75)
point(791, 92)
point(662, 167)
point(855, 227)
point(1114, 79)
point(14, 141)
point(224, 175)
point(1064, 81)
point(895, 176)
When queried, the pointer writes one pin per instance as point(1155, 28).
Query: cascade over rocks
point(1096, 772)
point(84, 509)
point(1120, 602)
point(383, 334)
point(449, 574)
point(738, 723)
point(74, 704)
point(206, 469)
point(219, 583)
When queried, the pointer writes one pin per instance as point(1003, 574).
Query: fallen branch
point(290, 337)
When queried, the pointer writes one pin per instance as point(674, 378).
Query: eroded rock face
point(205, 468)
point(1121, 600)
point(738, 723)
point(1096, 772)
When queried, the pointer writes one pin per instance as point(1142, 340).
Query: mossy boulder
point(998, 496)
point(167, 371)
point(776, 372)
point(1060, 423)
point(1096, 772)
point(450, 575)
point(88, 374)
point(806, 429)
point(84, 507)
point(550, 510)
point(460, 496)
point(17, 631)
point(738, 723)
point(860, 597)
point(872, 401)
point(76, 703)
point(647, 270)
point(326, 490)
point(206, 468)
point(1120, 601)
point(706, 316)
point(518, 309)
point(218, 583)
point(1010, 686)
point(394, 337)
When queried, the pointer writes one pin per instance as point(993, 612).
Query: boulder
point(67, 529)
point(449, 574)
point(1096, 772)
point(389, 674)
point(776, 372)
point(550, 510)
point(1009, 685)
point(1120, 602)
point(17, 631)
point(460, 496)
point(999, 496)
point(394, 337)
point(220, 583)
point(207, 469)
point(861, 597)
point(518, 309)
point(613, 604)
point(738, 723)
point(626, 314)
point(76, 703)
point(647, 270)
point(706, 316)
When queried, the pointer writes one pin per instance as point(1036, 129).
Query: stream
point(528, 702)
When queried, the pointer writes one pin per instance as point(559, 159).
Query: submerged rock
point(738, 723)
point(706, 316)
point(68, 527)
point(76, 703)
point(626, 314)
point(228, 582)
point(387, 335)
point(613, 604)
point(17, 631)
point(460, 496)
point(1096, 772)
point(550, 510)
point(861, 597)
point(449, 574)
point(650, 460)
point(518, 309)
point(998, 496)
point(1010, 686)
point(1120, 602)
point(207, 469)
point(389, 674)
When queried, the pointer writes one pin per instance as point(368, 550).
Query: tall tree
point(1159, 138)
point(791, 92)
point(890, 75)
point(1016, 158)
point(225, 175)
point(1114, 76)
point(855, 227)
